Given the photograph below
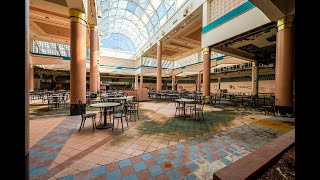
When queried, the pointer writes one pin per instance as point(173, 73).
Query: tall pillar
point(206, 71)
point(93, 57)
point(284, 65)
point(159, 66)
point(199, 81)
point(141, 80)
point(136, 81)
point(98, 81)
point(255, 79)
point(173, 82)
point(78, 24)
point(31, 77)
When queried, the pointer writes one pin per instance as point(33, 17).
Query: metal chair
point(178, 108)
point(133, 108)
point(197, 109)
point(84, 116)
point(122, 113)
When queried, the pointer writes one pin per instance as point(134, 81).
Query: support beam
point(159, 66)
point(136, 81)
point(173, 82)
point(199, 81)
point(141, 80)
point(255, 79)
point(98, 81)
point(93, 58)
point(206, 71)
point(31, 77)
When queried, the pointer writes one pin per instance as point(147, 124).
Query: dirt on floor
point(284, 168)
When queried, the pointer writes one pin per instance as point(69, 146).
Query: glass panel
point(149, 27)
point(138, 20)
point(131, 7)
point(50, 48)
point(161, 11)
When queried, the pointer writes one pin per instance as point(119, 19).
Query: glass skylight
point(50, 48)
point(192, 59)
point(128, 24)
point(151, 62)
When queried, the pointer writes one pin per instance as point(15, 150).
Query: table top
point(105, 104)
point(120, 98)
point(185, 100)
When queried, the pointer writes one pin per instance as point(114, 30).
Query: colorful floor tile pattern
point(43, 153)
point(195, 159)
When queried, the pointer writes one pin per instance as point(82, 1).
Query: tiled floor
point(158, 145)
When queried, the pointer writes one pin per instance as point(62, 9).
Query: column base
point(283, 110)
point(74, 109)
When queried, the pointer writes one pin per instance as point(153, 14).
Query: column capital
point(78, 16)
point(206, 50)
point(285, 22)
point(93, 27)
point(253, 64)
point(159, 43)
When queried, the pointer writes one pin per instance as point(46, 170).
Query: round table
point(184, 101)
point(120, 98)
point(105, 105)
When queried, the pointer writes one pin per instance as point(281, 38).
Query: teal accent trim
point(118, 67)
point(50, 55)
point(227, 17)
point(213, 80)
point(154, 67)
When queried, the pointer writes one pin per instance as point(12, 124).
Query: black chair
point(133, 108)
point(84, 116)
point(53, 104)
point(197, 109)
point(120, 114)
point(179, 108)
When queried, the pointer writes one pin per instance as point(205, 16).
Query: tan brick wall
point(218, 8)
point(246, 87)
point(187, 87)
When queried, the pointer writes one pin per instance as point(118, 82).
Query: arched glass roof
point(118, 42)
point(138, 20)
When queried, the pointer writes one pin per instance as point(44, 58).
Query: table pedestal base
point(102, 126)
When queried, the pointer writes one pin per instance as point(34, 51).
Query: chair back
point(80, 106)
point(200, 105)
point(178, 104)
